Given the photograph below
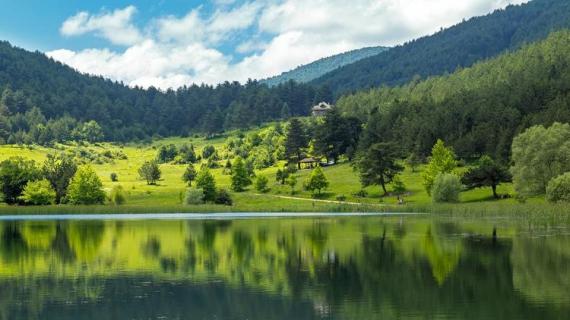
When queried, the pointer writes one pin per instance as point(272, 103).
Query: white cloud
point(280, 35)
point(114, 26)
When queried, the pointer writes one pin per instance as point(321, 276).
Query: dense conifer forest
point(457, 47)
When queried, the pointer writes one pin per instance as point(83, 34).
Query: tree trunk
point(495, 195)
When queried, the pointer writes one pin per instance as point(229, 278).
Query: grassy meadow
point(167, 195)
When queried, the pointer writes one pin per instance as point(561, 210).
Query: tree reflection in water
point(342, 268)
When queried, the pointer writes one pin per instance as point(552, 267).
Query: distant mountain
point(457, 47)
point(320, 67)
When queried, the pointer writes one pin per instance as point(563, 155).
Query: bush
point(86, 187)
point(118, 196)
point(38, 193)
point(558, 189)
point(261, 184)
point(446, 188)
point(114, 177)
point(194, 196)
point(223, 197)
point(341, 197)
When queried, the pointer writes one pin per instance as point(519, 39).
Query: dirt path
point(320, 200)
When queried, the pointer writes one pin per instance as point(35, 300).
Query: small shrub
point(446, 188)
point(194, 196)
point(341, 197)
point(114, 177)
point(223, 197)
point(38, 193)
point(261, 184)
point(361, 193)
point(118, 196)
point(558, 189)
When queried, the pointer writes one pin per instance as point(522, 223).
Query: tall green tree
point(316, 181)
point(15, 173)
point(487, 173)
point(378, 165)
point(189, 174)
point(296, 141)
point(240, 175)
point(150, 171)
point(442, 160)
point(540, 154)
point(86, 187)
point(207, 183)
point(59, 170)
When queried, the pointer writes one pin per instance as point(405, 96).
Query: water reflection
point(326, 268)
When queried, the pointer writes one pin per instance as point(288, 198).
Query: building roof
point(322, 106)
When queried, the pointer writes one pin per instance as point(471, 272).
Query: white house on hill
point(321, 109)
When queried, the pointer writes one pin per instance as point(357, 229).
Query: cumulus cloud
point(115, 26)
point(273, 36)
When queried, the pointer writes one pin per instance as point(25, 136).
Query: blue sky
point(170, 43)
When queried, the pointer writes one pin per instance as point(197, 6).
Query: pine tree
point(240, 176)
point(296, 141)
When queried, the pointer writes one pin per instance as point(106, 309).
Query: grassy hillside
point(320, 67)
point(167, 195)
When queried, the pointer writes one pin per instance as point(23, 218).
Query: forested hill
point(459, 46)
point(42, 100)
point(320, 67)
point(477, 110)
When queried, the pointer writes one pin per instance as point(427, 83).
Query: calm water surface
point(296, 268)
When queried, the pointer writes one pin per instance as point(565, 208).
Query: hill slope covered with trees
point(320, 67)
point(456, 47)
point(42, 100)
point(477, 110)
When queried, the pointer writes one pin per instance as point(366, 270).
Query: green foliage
point(189, 174)
point(487, 173)
point(118, 196)
point(442, 160)
point(59, 170)
point(476, 110)
point(38, 193)
point(150, 171)
point(194, 196)
point(398, 185)
point(316, 181)
point(296, 140)
point(15, 173)
point(91, 131)
point(208, 152)
point(223, 197)
point(292, 183)
point(166, 153)
point(114, 177)
point(85, 188)
point(240, 175)
point(206, 181)
point(261, 184)
point(378, 165)
point(413, 161)
point(123, 113)
point(446, 188)
point(558, 189)
point(336, 135)
point(460, 46)
point(539, 155)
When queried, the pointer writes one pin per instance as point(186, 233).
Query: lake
point(363, 267)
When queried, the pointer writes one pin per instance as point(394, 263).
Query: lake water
point(390, 267)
